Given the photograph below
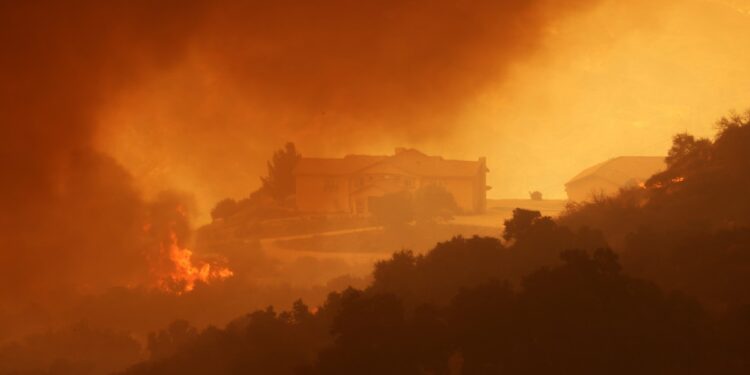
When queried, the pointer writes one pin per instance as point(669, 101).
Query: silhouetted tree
point(224, 209)
point(280, 183)
point(531, 305)
point(396, 274)
point(484, 323)
point(264, 342)
point(270, 200)
point(583, 316)
point(520, 223)
point(79, 349)
point(167, 342)
point(437, 276)
point(689, 221)
point(686, 147)
point(370, 333)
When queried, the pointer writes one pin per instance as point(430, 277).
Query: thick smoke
point(392, 62)
point(72, 218)
point(334, 76)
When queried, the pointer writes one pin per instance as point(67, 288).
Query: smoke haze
point(77, 77)
point(104, 105)
point(72, 215)
point(335, 77)
point(512, 81)
point(122, 123)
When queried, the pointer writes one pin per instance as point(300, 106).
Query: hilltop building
point(345, 185)
point(609, 177)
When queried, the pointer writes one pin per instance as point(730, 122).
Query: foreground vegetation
point(652, 281)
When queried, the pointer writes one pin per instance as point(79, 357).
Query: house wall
point(368, 185)
point(351, 193)
point(480, 189)
point(322, 194)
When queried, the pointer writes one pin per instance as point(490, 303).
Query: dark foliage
point(263, 342)
point(688, 228)
point(582, 315)
point(271, 199)
point(279, 183)
point(550, 298)
point(224, 209)
point(535, 195)
point(79, 349)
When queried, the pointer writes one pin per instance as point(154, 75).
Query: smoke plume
point(73, 217)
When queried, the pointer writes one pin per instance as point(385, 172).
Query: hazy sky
point(543, 90)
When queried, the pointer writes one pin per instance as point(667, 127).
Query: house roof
point(621, 170)
point(408, 160)
point(332, 167)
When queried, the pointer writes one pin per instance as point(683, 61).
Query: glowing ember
point(678, 179)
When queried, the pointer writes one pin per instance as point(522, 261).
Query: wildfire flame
point(678, 179)
point(173, 267)
point(184, 273)
point(675, 180)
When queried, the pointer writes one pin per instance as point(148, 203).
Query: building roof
point(408, 160)
point(621, 170)
point(332, 167)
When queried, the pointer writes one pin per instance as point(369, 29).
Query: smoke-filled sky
point(542, 88)
point(104, 104)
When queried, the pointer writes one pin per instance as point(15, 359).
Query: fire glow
point(174, 269)
point(185, 274)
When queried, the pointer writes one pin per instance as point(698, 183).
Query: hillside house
point(609, 177)
point(345, 185)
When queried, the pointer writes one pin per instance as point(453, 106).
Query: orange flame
point(184, 274)
point(675, 180)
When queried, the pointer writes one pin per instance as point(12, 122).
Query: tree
point(279, 183)
point(686, 149)
point(224, 209)
point(434, 202)
point(392, 210)
point(520, 223)
point(167, 342)
point(276, 187)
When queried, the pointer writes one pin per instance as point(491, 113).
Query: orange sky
point(543, 96)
